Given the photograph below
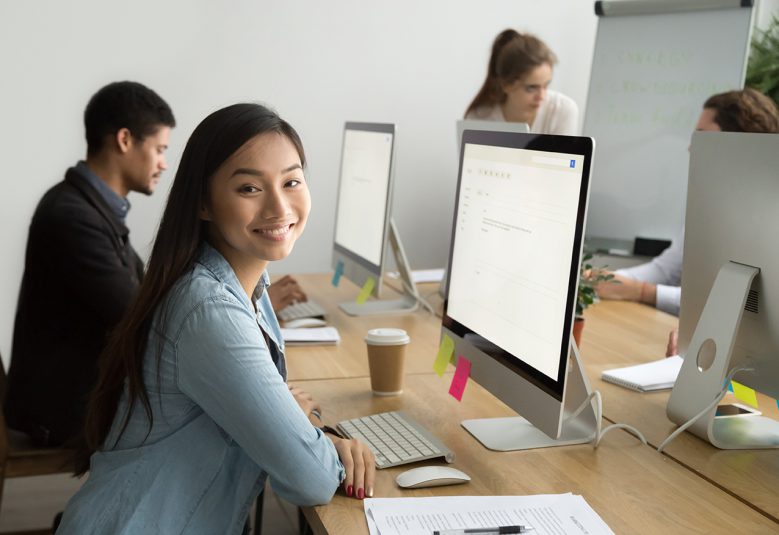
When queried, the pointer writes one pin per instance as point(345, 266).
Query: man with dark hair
point(81, 272)
point(658, 283)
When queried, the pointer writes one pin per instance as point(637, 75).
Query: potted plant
point(763, 68)
point(589, 278)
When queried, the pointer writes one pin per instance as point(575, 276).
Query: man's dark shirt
point(80, 276)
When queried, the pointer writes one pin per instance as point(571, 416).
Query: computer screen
point(514, 265)
point(363, 223)
point(364, 191)
point(731, 221)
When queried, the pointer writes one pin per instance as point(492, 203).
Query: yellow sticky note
point(445, 352)
point(367, 288)
point(744, 393)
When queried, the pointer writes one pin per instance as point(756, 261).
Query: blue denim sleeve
point(224, 365)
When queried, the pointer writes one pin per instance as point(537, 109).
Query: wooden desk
point(616, 334)
point(620, 334)
point(350, 358)
point(633, 488)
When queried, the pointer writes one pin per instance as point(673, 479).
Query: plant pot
point(578, 327)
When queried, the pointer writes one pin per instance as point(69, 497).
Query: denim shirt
point(223, 421)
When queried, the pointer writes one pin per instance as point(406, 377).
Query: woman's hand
point(359, 465)
point(309, 405)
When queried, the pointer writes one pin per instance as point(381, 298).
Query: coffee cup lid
point(387, 337)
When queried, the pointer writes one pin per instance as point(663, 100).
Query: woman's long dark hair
point(179, 237)
point(513, 56)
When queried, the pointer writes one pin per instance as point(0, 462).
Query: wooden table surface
point(616, 334)
point(621, 334)
point(350, 357)
point(632, 487)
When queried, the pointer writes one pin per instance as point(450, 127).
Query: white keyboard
point(395, 439)
point(307, 309)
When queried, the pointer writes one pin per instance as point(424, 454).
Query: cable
point(708, 407)
point(599, 432)
point(415, 294)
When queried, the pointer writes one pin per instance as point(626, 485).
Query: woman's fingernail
point(369, 493)
point(349, 490)
point(360, 494)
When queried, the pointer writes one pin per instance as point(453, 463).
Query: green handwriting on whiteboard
point(665, 88)
point(661, 58)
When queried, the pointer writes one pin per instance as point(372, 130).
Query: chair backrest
point(2, 380)
point(4, 441)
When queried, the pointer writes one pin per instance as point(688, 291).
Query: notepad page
point(316, 335)
point(655, 375)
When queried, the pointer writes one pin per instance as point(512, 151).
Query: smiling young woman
point(192, 413)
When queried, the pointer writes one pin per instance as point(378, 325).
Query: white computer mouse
point(431, 476)
point(301, 323)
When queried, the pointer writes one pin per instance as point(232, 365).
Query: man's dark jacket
point(79, 278)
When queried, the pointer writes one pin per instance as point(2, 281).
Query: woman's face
point(259, 202)
point(524, 97)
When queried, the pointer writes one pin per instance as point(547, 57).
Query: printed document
point(546, 514)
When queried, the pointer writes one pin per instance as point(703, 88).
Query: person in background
point(81, 272)
point(191, 412)
point(516, 88)
point(658, 283)
point(285, 292)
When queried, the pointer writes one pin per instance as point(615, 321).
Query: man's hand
point(627, 290)
point(285, 291)
point(673, 343)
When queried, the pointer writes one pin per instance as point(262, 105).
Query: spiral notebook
point(655, 375)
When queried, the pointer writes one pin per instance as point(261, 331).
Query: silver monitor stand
point(409, 300)
point(516, 433)
point(708, 362)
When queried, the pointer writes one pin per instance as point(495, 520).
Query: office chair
point(19, 458)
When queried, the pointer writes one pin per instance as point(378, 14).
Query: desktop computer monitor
point(493, 126)
point(363, 223)
point(729, 315)
point(513, 276)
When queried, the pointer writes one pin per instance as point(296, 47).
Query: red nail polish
point(360, 494)
point(349, 490)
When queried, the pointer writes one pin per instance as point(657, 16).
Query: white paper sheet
point(547, 514)
point(422, 275)
point(311, 336)
point(655, 375)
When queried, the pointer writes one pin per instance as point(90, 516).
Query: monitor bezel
point(338, 249)
point(549, 143)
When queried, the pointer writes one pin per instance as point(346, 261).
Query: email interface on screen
point(513, 247)
point(362, 195)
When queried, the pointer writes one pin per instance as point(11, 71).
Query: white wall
point(318, 63)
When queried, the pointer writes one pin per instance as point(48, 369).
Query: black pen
point(500, 530)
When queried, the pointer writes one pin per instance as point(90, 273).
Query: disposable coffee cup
point(386, 359)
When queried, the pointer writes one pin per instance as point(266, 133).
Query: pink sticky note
point(460, 378)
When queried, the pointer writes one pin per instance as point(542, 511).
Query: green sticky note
point(367, 288)
point(445, 353)
point(745, 394)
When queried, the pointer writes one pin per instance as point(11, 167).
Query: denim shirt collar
point(260, 302)
point(119, 205)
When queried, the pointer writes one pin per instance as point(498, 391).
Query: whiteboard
point(651, 74)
